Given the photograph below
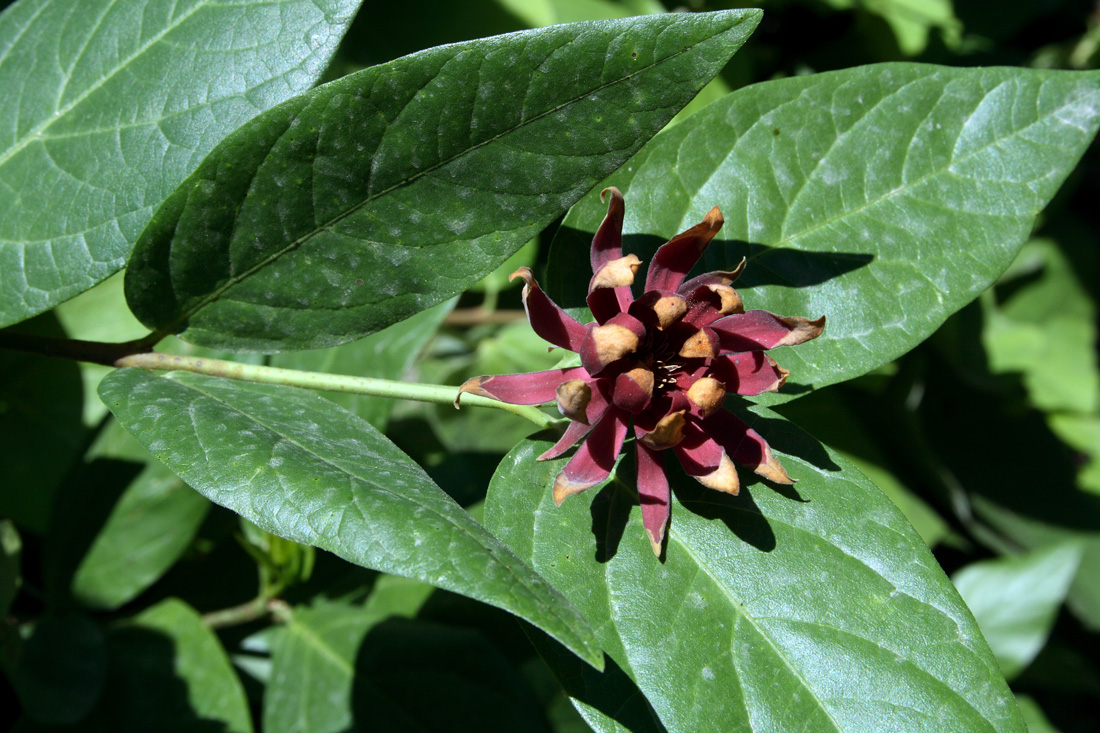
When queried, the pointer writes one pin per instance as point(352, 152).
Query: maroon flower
point(664, 362)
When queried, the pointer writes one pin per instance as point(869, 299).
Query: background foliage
point(129, 597)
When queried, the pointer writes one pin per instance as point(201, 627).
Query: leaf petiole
point(437, 393)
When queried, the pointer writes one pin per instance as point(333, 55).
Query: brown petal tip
point(668, 309)
point(473, 386)
point(613, 342)
point(707, 394)
point(714, 220)
point(565, 487)
point(729, 299)
point(699, 346)
point(773, 471)
point(573, 397)
point(655, 542)
point(802, 330)
point(724, 478)
point(616, 273)
point(668, 432)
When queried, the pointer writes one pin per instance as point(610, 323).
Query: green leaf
point(1046, 329)
point(167, 668)
point(885, 197)
point(341, 668)
point(11, 570)
point(61, 670)
point(148, 529)
point(109, 104)
point(377, 195)
point(387, 354)
point(1016, 599)
point(813, 607)
point(300, 467)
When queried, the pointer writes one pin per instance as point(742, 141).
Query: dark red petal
point(674, 258)
point(718, 277)
point(597, 406)
point(547, 319)
point(593, 462)
point(659, 309)
point(607, 343)
point(633, 390)
point(746, 446)
point(748, 373)
point(759, 330)
point(706, 460)
point(606, 303)
point(653, 495)
point(607, 245)
point(533, 388)
point(708, 303)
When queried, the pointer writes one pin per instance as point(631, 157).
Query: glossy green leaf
point(813, 607)
point(1016, 599)
point(341, 668)
point(147, 530)
point(884, 197)
point(168, 670)
point(109, 104)
point(387, 191)
point(387, 354)
point(300, 467)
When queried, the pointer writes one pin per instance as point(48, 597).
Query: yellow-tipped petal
point(573, 398)
point(669, 432)
point(724, 478)
point(616, 273)
point(707, 393)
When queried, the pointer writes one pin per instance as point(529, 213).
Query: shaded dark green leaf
point(302, 468)
point(61, 670)
point(110, 103)
point(11, 571)
point(169, 672)
point(391, 674)
point(885, 197)
point(814, 607)
point(377, 195)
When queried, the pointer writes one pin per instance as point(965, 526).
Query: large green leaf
point(379, 194)
point(109, 104)
point(341, 668)
point(167, 669)
point(301, 467)
point(813, 607)
point(885, 197)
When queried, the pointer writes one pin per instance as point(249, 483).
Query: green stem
point(328, 382)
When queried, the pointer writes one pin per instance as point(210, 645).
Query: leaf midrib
point(185, 314)
point(35, 132)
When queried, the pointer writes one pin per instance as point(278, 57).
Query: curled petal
point(534, 388)
point(706, 395)
point(576, 430)
point(606, 303)
point(703, 458)
point(746, 446)
point(749, 373)
point(659, 308)
point(708, 303)
point(573, 398)
point(607, 245)
point(547, 319)
point(719, 277)
point(703, 345)
point(592, 464)
point(610, 342)
point(760, 330)
point(633, 390)
point(653, 494)
point(666, 433)
point(674, 258)
point(616, 273)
